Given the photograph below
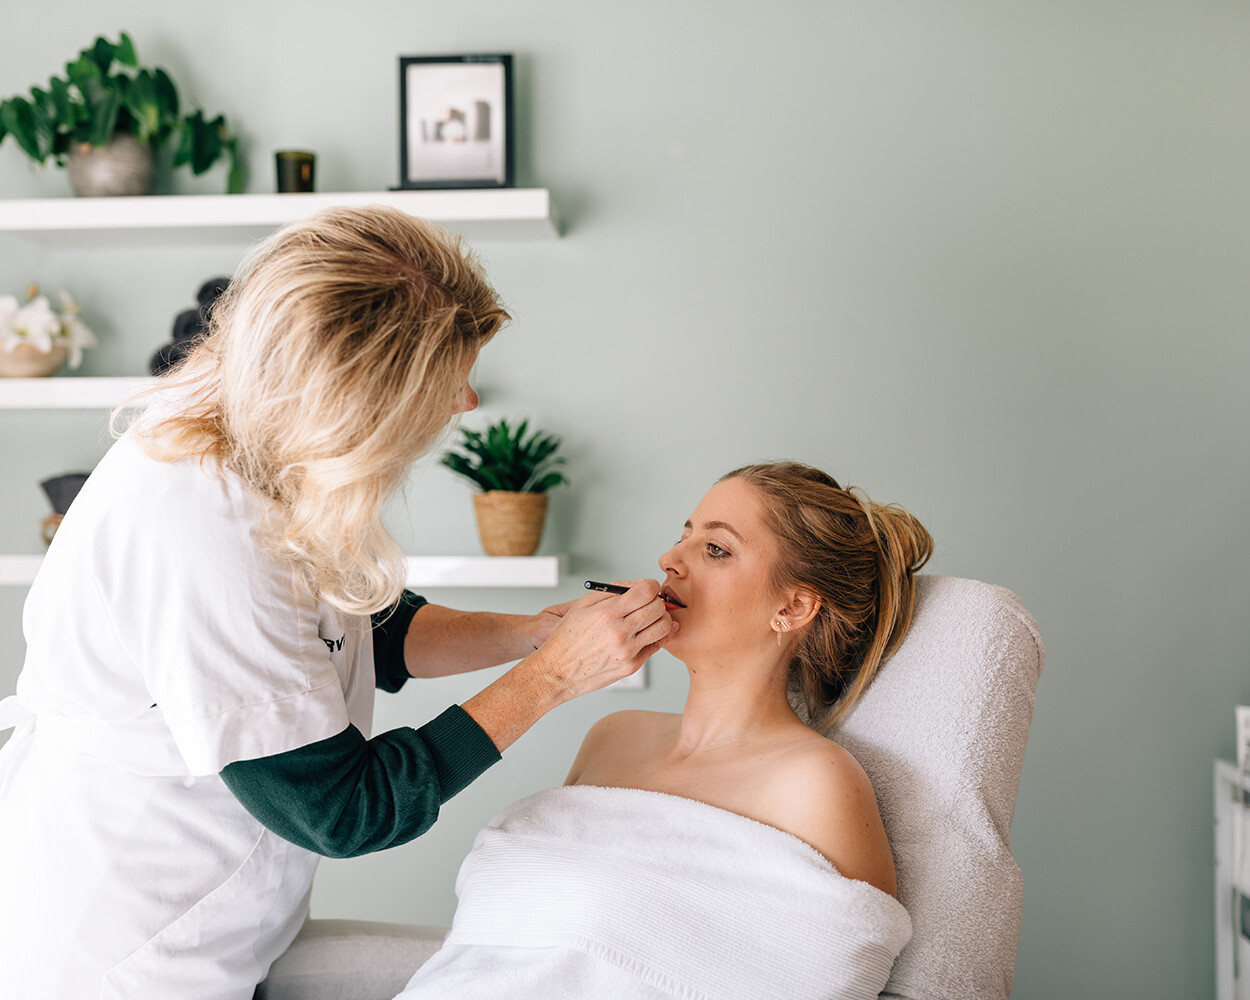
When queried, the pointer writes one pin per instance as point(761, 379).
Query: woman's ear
point(802, 607)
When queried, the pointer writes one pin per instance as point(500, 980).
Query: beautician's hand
point(601, 638)
point(544, 623)
point(597, 639)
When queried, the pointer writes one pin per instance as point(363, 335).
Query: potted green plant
point(514, 474)
point(36, 339)
point(105, 119)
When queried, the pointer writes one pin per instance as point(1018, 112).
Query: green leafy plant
point(502, 458)
point(105, 92)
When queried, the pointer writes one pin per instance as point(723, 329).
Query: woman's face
point(720, 572)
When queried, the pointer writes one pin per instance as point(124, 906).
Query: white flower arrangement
point(36, 323)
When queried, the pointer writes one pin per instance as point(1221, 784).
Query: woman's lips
point(670, 601)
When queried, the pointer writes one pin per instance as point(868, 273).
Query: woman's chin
point(678, 645)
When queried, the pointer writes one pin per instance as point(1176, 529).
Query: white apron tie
point(13, 713)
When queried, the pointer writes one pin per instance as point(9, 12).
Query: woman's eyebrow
point(718, 524)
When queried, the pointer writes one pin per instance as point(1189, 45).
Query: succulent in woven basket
point(503, 458)
point(514, 472)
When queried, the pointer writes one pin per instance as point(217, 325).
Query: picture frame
point(455, 122)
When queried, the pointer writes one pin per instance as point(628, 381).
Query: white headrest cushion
point(941, 732)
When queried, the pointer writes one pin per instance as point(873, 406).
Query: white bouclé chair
point(941, 732)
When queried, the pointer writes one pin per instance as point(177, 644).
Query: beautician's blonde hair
point(859, 558)
point(331, 363)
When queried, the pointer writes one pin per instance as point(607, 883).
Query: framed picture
point(455, 121)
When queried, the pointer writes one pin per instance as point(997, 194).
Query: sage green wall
point(984, 259)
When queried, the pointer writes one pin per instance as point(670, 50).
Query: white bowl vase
point(25, 361)
point(123, 167)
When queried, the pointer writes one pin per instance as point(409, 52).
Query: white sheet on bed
point(634, 895)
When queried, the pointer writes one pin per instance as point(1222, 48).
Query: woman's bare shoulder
point(618, 737)
point(822, 795)
point(632, 720)
point(634, 724)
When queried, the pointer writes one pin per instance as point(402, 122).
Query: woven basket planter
point(510, 524)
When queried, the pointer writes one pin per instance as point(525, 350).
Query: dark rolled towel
point(209, 291)
point(168, 356)
point(188, 325)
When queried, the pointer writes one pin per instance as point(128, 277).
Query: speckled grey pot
point(123, 167)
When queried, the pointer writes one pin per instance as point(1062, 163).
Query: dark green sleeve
point(346, 796)
point(390, 628)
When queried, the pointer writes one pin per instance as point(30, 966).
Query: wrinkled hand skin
point(588, 644)
point(545, 622)
point(600, 638)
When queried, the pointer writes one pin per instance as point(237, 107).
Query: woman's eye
point(715, 551)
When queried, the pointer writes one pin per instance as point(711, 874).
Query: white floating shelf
point(483, 571)
point(423, 571)
point(66, 223)
point(18, 569)
point(68, 392)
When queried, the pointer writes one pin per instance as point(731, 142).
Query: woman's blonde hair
point(858, 558)
point(331, 363)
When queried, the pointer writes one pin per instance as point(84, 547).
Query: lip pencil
point(607, 588)
point(616, 588)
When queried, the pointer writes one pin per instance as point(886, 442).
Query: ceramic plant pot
point(510, 524)
point(25, 361)
point(123, 167)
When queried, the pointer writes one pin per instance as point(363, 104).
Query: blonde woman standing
point(204, 637)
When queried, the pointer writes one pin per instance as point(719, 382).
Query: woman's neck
point(733, 702)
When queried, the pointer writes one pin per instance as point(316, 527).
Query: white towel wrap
point(587, 891)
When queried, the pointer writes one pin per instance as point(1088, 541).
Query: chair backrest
point(941, 732)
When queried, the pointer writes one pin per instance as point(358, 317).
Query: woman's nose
point(671, 563)
point(465, 401)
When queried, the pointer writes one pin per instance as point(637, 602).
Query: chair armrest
point(350, 960)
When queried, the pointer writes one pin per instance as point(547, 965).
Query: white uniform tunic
point(162, 644)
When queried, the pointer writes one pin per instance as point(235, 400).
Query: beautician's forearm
point(597, 641)
point(345, 796)
point(442, 641)
point(507, 708)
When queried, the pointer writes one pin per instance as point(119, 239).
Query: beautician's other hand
point(592, 642)
point(544, 623)
point(601, 638)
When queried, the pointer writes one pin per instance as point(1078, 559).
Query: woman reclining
point(729, 851)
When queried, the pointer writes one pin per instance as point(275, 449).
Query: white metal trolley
point(1232, 893)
